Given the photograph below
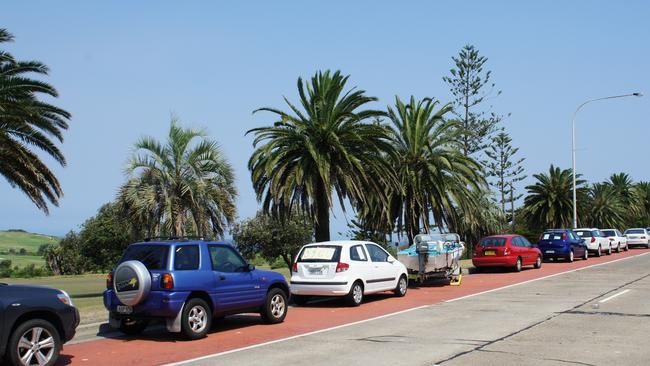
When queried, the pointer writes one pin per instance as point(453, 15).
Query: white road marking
point(386, 315)
point(613, 296)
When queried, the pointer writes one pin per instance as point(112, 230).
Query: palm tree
point(641, 202)
point(435, 179)
point(324, 147)
point(606, 210)
point(623, 188)
point(28, 123)
point(185, 185)
point(549, 203)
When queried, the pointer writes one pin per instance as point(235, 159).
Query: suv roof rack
point(181, 238)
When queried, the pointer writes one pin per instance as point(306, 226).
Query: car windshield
point(320, 253)
point(609, 232)
point(154, 257)
point(635, 231)
point(493, 242)
point(584, 233)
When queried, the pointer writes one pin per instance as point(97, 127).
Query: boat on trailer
point(434, 256)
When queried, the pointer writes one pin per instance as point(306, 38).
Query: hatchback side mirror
point(250, 267)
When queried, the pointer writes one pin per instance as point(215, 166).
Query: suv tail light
point(342, 267)
point(593, 239)
point(564, 237)
point(109, 281)
point(167, 281)
point(294, 268)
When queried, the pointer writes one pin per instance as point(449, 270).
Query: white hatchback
point(349, 268)
point(595, 240)
point(618, 240)
point(638, 236)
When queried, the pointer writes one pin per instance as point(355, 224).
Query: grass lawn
point(24, 260)
point(29, 241)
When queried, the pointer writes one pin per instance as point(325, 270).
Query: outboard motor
point(422, 248)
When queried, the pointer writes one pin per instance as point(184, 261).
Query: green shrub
point(278, 263)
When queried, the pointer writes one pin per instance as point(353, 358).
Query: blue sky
point(122, 68)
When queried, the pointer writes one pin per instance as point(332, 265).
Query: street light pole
point(573, 147)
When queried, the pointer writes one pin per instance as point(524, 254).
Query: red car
point(506, 251)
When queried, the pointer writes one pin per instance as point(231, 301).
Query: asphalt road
point(594, 316)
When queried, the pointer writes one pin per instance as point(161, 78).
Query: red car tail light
point(342, 267)
point(593, 239)
point(294, 268)
point(167, 281)
point(109, 280)
point(506, 251)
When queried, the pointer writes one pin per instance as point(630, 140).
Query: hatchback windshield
point(635, 231)
point(320, 253)
point(154, 257)
point(493, 242)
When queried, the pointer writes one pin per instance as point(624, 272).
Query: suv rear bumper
point(158, 304)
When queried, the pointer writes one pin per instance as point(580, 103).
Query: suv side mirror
point(250, 267)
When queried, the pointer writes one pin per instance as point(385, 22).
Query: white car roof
point(341, 242)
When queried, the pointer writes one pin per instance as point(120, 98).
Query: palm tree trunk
point(322, 223)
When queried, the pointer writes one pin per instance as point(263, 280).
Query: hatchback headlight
point(65, 298)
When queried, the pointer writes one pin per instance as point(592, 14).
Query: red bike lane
point(247, 330)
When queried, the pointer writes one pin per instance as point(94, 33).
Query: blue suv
point(562, 244)
point(188, 284)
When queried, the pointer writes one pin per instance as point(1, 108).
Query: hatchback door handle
point(222, 277)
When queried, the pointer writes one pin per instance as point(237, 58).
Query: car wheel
point(585, 256)
point(599, 252)
point(355, 296)
point(618, 248)
point(34, 342)
point(402, 286)
point(609, 250)
point(648, 245)
point(518, 265)
point(300, 300)
point(132, 326)
point(275, 308)
point(196, 319)
point(571, 257)
point(538, 263)
point(626, 248)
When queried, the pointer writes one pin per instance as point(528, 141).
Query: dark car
point(562, 244)
point(187, 284)
point(34, 324)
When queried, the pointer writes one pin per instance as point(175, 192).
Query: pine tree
point(504, 168)
point(471, 87)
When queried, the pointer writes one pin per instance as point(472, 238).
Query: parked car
point(35, 322)
point(638, 237)
point(618, 240)
point(562, 244)
point(595, 240)
point(187, 284)
point(349, 269)
point(513, 251)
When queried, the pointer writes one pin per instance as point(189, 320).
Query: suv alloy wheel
point(196, 319)
point(275, 307)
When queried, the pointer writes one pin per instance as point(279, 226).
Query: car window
point(634, 231)
point(515, 241)
point(492, 242)
point(584, 233)
point(186, 257)
point(320, 253)
point(154, 257)
point(376, 253)
point(609, 233)
point(524, 242)
point(225, 259)
point(552, 236)
point(358, 254)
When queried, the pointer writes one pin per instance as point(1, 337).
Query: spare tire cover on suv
point(131, 282)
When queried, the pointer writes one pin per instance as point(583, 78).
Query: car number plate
point(123, 309)
point(318, 271)
point(550, 251)
point(490, 252)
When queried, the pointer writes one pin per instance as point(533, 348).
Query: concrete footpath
point(595, 316)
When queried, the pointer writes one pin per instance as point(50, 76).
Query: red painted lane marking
point(242, 331)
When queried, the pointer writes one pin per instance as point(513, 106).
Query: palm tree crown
point(185, 185)
point(325, 146)
point(549, 203)
point(26, 123)
point(435, 178)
